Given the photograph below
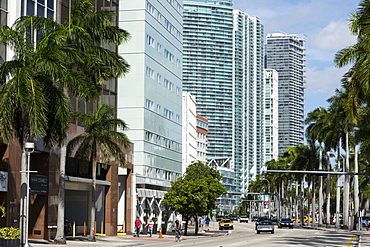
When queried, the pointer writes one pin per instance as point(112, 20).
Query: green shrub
point(10, 233)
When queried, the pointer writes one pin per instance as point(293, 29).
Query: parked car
point(225, 224)
point(265, 226)
point(244, 218)
point(285, 222)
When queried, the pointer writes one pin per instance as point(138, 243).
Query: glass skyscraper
point(248, 98)
point(207, 74)
point(286, 54)
point(223, 63)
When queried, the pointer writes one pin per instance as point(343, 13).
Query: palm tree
point(68, 59)
point(99, 143)
point(356, 80)
point(89, 32)
point(33, 104)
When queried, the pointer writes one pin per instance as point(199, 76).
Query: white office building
point(150, 96)
point(271, 114)
point(189, 130)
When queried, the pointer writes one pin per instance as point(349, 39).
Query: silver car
point(265, 226)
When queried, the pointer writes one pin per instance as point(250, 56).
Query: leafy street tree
point(99, 143)
point(195, 193)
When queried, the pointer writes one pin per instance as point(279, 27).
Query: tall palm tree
point(33, 104)
point(99, 143)
point(357, 79)
point(89, 32)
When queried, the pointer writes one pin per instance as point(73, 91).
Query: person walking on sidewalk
point(137, 227)
point(207, 223)
point(150, 225)
point(177, 231)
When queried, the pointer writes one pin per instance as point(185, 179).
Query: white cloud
point(334, 36)
point(324, 82)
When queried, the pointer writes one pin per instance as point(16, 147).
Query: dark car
point(260, 219)
point(285, 222)
point(233, 217)
point(220, 217)
point(254, 218)
point(265, 226)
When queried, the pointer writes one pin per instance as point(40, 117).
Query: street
point(245, 235)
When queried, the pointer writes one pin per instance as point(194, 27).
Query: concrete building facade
point(285, 53)
point(150, 97)
point(189, 130)
point(271, 114)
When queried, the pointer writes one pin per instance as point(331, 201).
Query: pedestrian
point(202, 223)
point(207, 223)
point(137, 227)
point(150, 226)
point(177, 230)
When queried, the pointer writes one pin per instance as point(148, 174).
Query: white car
point(244, 219)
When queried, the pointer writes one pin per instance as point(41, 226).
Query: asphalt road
point(245, 235)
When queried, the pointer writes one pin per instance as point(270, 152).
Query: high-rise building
point(248, 36)
point(271, 114)
point(150, 96)
point(223, 63)
point(285, 53)
point(207, 74)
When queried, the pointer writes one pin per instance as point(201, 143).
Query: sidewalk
point(125, 240)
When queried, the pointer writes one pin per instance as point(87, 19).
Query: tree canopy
point(195, 193)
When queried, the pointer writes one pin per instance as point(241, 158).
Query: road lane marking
point(350, 242)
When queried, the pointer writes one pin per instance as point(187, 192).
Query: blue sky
point(325, 23)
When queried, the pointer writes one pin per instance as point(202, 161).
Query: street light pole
point(28, 149)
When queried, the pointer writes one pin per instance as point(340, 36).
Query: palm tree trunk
point(337, 206)
point(92, 202)
point(296, 202)
point(60, 237)
point(320, 190)
point(309, 202)
point(313, 200)
point(355, 191)
point(346, 188)
point(302, 200)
